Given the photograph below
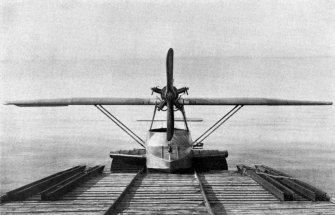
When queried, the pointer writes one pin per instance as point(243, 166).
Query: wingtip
point(327, 103)
point(10, 103)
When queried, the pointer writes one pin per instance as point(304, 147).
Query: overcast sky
point(51, 29)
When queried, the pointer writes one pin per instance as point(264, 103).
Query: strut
point(184, 116)
point(153, 116)
point(121, 125)
point(218, 124)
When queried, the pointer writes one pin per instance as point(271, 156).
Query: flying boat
point(168, 149)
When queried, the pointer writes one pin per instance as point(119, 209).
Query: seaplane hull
point(169, 156)
point(155, 164)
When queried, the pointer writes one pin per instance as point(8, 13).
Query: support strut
point(184, 116)
point(153, 116)
point(121, 125)
point(218, 124)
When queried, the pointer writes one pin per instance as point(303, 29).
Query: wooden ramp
point(92, 197)
point(162, 193)
point(215, 192)
point(229, 192)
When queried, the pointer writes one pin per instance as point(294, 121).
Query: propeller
point(170, 95)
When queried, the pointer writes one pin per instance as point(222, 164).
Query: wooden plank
point(23, 192)
point(157, 197)
point(299, 187)
point(264, 183)
point(309, 194)
point(4, 198)
point(164, 211)
point(113, 207)
point(202, 190)
point(65, 186)
point(320, 195)
point(152, 197)
point(289, 194)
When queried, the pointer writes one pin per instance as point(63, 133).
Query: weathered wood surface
point(60, 189)
point(204, 195)
point(160, 193)
point(28, 190)
point(282, 194)
point(115, 204)
point(81, 200)
point(227, 192)
point(302, 188)
point(231, 193)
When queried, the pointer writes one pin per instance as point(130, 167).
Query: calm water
point(36, 142)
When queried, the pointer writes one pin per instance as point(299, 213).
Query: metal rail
point(218, 124)
point(112, 209)
point(283, 186)
point(203, 193)
point(320, 194)
point(279, 193)
point(58, 190)
point(306, 190)
point(31, 189)
point(121, 125)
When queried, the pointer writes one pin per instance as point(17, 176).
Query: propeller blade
point(169, 95)
point(170, 121)
point(169, 70)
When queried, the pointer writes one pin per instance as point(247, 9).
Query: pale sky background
point(104, 29)
point(62, 48)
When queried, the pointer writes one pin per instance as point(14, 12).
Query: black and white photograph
point(167, 107)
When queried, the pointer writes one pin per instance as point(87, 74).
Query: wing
point(249, 101)
point(148, 101)
point(82, 101)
